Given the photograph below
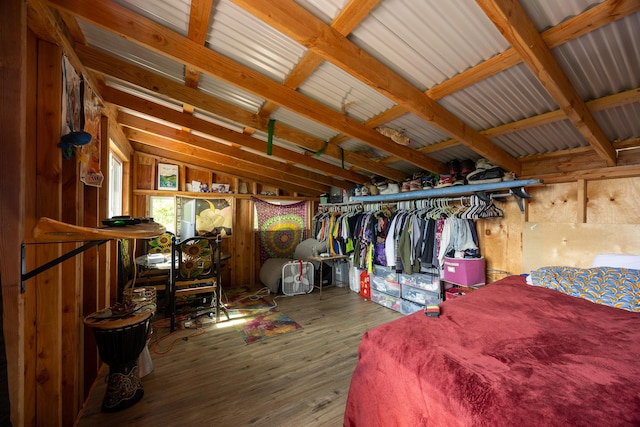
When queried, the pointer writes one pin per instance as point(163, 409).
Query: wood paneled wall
point(243, 268)
point(564, 224)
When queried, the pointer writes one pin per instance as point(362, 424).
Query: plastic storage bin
point(408, 307)
point(394, 303)
point(341, 273)
point(428, 282)
point(384, 279)
point(420, 296)
point(383, 284)
point(464, 271)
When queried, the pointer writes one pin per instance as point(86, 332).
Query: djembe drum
point(120, 341)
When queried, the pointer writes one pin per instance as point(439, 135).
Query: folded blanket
point(615, 287)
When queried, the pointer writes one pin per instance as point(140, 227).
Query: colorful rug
point(257, 319)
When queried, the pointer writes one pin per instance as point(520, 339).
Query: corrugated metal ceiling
point(425, 42)
point(343, 92)
point(249, 41)
point(422, 41)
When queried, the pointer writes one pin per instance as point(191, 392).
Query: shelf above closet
point(517, 187)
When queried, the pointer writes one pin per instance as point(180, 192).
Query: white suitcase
point(297, 277)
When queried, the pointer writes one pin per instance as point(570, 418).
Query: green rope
point(342, 156)
point(272, 124)
point(321, 150)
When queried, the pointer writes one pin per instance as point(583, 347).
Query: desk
point(334, 259)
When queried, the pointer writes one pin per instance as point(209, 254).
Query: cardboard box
point(464, 271)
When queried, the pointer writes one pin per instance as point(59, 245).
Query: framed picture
point(167, 177)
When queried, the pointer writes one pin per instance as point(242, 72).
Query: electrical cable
point(198, 332)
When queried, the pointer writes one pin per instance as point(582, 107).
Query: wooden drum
point(120, 340)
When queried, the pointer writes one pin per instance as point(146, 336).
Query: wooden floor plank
point(296, 379)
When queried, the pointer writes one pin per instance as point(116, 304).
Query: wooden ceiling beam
point(143, 31)
point(134, 103)
point(199, 14)
point(297, 23)
point(193, 156)
point(574, 27)
point(601, 104)
point(347, 19)
point(514, 24)
point(238, 167)
point(232, 154)
point(589, 20)
point(121, 70)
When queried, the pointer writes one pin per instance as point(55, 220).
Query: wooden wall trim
point(13, 113)
point(48, 346)
point(581, 185)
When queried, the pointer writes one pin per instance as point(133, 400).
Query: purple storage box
point(464, 271)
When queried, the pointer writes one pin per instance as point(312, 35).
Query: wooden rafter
point(312, 33)
point(589, 20)
point(349, 17)
point(194, 156)
point(122, 70)
point(151, 35)
point(514, 24)
point(222, 134)
point(131, 102)
point(604, 103)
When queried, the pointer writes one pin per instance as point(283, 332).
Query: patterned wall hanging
point(281, 228)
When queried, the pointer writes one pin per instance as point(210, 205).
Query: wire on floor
point(260, 293)
point(197, 332)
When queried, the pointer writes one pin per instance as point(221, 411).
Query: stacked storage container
point(406, 293)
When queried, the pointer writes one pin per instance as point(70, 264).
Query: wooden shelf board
point(452, 191)
point(51, 230)
point(198, 290)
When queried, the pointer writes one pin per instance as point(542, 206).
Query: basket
point(139, 296)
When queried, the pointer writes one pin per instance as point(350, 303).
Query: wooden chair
point(153, 277)
point(133, 277)
point(195, 276)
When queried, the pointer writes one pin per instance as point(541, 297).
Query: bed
point(508, 354)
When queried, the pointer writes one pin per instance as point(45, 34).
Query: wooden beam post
point(48, 346)
point(13, 112)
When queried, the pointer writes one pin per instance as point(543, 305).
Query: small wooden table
point(334, 259)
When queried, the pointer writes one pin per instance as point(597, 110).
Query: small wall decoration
point(167, 177)
point(89, 154)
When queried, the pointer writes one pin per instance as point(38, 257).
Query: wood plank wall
point(244, 266)
point(16, 70)
point(564, 224)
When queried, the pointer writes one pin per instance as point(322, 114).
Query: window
point(163, 211)
point(115, 185)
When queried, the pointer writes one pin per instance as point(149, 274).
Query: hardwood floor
point(296, 379)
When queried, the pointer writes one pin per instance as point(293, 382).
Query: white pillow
point(617, 261)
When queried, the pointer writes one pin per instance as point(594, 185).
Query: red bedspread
point(508, 354)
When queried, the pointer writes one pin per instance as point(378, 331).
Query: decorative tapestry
point(281, 228)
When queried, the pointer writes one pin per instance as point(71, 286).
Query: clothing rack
point(515, 187)
point(478, 207)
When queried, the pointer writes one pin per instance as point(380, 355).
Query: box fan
point(297, 277)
